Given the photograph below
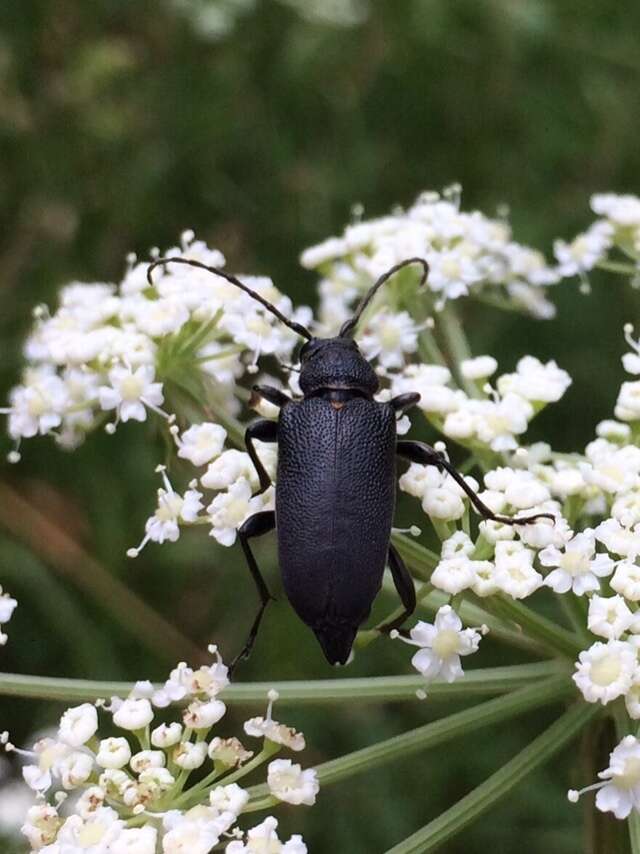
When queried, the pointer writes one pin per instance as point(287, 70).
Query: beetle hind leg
point(405, 587)
point(254, 526)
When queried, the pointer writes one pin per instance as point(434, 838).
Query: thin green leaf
point(490, 680)
point(500, 784)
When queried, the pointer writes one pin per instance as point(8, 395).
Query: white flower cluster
point(467, 253)
point(132, 791)
point(7, 607)
point(494, 417)
point(111, 354)
point(618, 227)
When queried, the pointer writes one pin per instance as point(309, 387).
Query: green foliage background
point(122, 123)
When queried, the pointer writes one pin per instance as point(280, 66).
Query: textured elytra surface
point(335, 499)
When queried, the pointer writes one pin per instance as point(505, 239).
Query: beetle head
point(335, 363)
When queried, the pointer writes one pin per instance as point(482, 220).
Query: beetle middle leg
point(405, 587)
point(255, 526)
point(418, 452)
point(265, 431)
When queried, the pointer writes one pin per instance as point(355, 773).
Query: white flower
point(7, 607)
point(38, 405)
point(172, 509)
point(228, 752)
point(113, 753)
point(457, 545)
point(388, 337)
point(190, 755)
point(454, 575)
point(579, 568)
point(130, 392)
point(289, 783)
point(535, 381)
point(135, 840)
point(147, 759)
point(49, 754)
point(628, 403)
point(93, 835)
point(626, 580)
point(497, 422)
point(514, 572)
point(622, 210)
point(78, 724)
point(230, 466)
point(619, 792)
point(75, 769)
point(228, 510)
point(190, 836)
point(202, 443)
point(584, 251)
point(231, 798)
point(41, 825)
point(133, 714)
point(166, 735)
point(478, 368)
point(605, 671)
point(619, 540)
point(263, 839)
point(203, 715)
point(272, 730)
point(442, 642)
point(609, 617)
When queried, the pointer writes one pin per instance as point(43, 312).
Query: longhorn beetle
point(335, 489)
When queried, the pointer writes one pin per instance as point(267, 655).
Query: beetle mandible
point(336, 482)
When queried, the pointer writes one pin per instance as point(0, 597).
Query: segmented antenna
point(348, 327)
point(298, 328)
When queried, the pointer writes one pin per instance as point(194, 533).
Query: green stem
point(618, 267)
point(572, 606)
point(490, 680)
point(449, 326)
point(500, 784)
point(554, 637)
point(482, 715)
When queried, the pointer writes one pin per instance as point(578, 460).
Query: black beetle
point(336, 484)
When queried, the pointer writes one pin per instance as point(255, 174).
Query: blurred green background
point(260, 125)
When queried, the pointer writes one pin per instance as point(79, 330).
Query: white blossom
point(288, 782)
point(605, 671)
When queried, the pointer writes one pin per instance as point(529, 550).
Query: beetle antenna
point(348, 327)
point(298, 328)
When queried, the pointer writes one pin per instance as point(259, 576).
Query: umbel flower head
point(134, 791)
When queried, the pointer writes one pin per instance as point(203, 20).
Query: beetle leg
point(255, 526)
point(271, 394)
point(265, 431)
point(418, 452)
point(405, 587)
point(403, 402)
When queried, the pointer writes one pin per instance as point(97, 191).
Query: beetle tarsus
point(255, 526)
point(419, 452)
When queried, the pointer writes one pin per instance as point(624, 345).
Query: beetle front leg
point(254, 526)
point(265, 431)
point(272, 395)
point(418, 452)
point(403, 402)
point(405, 587)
